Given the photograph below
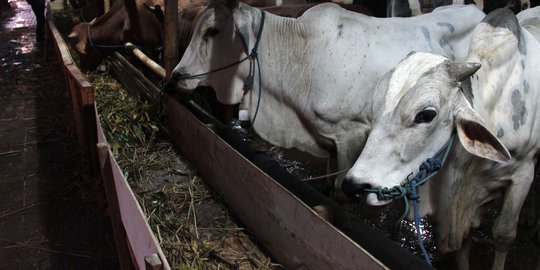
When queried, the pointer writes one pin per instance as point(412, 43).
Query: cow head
point(417, 107)
point(127, 21)
point(221, 37)
point(79, 36)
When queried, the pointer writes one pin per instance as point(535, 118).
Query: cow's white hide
point(317, 71)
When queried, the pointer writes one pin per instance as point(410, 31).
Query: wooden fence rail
point(136, 245)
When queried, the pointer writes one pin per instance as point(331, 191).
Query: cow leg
point(479, 4)
point(504, 229)
point(399, 8)
point(462, 256)
point(416, 7)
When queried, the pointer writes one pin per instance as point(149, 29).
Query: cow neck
point(101, 21)
point(96, 46)
point(287, 59)
point(254, 57)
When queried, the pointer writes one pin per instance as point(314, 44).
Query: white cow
point(316, 71)
point(427, 98)
point(402, 8)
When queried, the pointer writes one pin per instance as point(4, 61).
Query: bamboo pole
point(106, 5)
point(153, 66)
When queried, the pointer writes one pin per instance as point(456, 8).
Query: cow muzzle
point(181, 82)
point(356, 190)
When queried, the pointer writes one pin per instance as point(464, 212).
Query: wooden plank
point(75, 106)
point(289, 229)
point(60, 45)
point(120, 237)
point(170, 36)
point(140, 240)
point(81, 94)
point(133, 236)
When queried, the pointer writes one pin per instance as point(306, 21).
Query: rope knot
point(431, 165)
point(385, 193)
point(413, 195)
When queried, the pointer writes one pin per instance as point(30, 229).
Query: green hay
point(192, 225)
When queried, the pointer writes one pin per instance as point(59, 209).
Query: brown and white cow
point(494, 114)
point(127, 21)
point(143, 26)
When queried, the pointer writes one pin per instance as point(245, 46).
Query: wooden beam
point(106, 5)
point(170, 33)
point(120, 238)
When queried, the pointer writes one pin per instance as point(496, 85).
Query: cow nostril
point(177, 76)
point(354, 190)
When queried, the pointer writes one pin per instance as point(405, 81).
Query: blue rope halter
point(407, 190)
point(248, 82)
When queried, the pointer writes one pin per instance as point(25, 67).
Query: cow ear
point(73, 35)
point(462, 71)
point(476, 138)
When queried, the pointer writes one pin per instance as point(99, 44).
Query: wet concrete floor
point(49, 218)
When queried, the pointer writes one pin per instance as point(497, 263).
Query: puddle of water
point(20, 18)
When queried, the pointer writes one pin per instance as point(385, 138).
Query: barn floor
point(49, 218)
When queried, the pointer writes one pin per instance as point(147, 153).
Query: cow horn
point(152, 8)
point(462, 71)
point(93, 21)
point(73, 35)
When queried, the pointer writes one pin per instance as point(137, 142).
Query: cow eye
point(425, 116)
point(210, 32)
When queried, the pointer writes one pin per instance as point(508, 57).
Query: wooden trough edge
point(273, 204)
point(136, 245)
point(293, 233)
